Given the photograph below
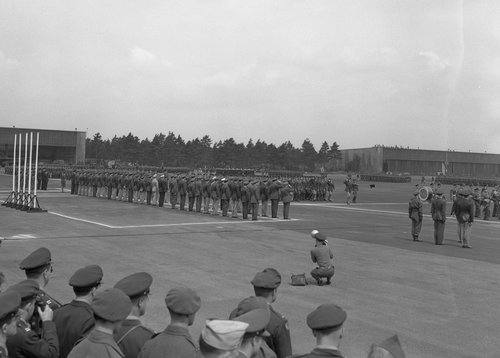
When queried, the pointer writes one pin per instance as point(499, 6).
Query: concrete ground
point(442, 301)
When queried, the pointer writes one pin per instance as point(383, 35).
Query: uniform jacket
point(26, 343)
point(322, 255)
point(274, 191)
point(438, 209)
point(415, 210)
point(286, 194)
point(73, 322)
point(173, 342)
point(132, 336)
point(279, 339)
point(97, 344)
point(463, 209)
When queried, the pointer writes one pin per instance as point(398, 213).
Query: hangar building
point(54, 145)
point(380, 159)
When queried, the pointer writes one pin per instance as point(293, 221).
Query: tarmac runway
point(442, 301)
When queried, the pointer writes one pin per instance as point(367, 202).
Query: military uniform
point(279, 340)
point(10, 302)
point(438, 212)
point(416, 214)
point(175, 341)
point(132, 335)
point(326, 317)
point(111, 305)
point(76, 319)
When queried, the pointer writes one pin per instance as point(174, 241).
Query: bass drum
point(425, 193)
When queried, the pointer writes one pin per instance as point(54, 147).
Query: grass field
point(441, 300)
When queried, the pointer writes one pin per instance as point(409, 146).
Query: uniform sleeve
point(282, 342)
point(45, 347)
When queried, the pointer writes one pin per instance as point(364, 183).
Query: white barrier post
point(19, 171)
point(25, 199)
point(14, 165)
point(36, 161)
point(30, 168)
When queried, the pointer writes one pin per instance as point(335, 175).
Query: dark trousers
point(416, 226)
point(438, 232)
point(173, 199)
point(244, 205)
point(190, 203)
point(161, 199)
point(320, 272)
point(182, 202)
point(149, 193)
point(274, 208)
point(286, 211)
point(254, 207)
point(224, 204)
point(197, 200)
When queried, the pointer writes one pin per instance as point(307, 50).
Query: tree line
point(173, 151)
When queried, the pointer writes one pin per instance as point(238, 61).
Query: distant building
point(54, 146)
point(380, 159)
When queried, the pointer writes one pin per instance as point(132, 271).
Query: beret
point(269, 278)
point(37, 258)
point(134, 285)
point(87, 276)
point(182, 300)
point(326, 316)
point(257, 320)
point(10, 302)
point(393, 346)
point(249, 304)
point(111, 305)
point(223, 335)
point(27, 289)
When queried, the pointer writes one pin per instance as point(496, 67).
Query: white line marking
point(166, 225)
point(21, 237)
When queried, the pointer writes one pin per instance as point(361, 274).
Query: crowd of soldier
point(107, 323)
point(202, 193)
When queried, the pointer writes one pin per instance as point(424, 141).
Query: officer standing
point(274, 196)
point(286, 193)
point(327, 325)
point(175, 341)
point(266, 285)
point(438, 212)
point(416, 214)
point(27, 342)
point(133, 334)
point(9, 304)
point(76, 319)
point(110, 308)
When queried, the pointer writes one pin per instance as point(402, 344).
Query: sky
point(418, 73)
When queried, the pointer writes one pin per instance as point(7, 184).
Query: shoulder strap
point(126, 334)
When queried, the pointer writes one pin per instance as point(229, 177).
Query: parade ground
point(442, 301)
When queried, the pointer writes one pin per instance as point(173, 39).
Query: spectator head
point(137, 288)
point(38, 265)
point(266, 284)
point(182, 304)
point(221, 338)
point(86, 280)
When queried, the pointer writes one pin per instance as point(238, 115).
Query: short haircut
point(379, 352)
point(327, 331)
point(83, 291)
